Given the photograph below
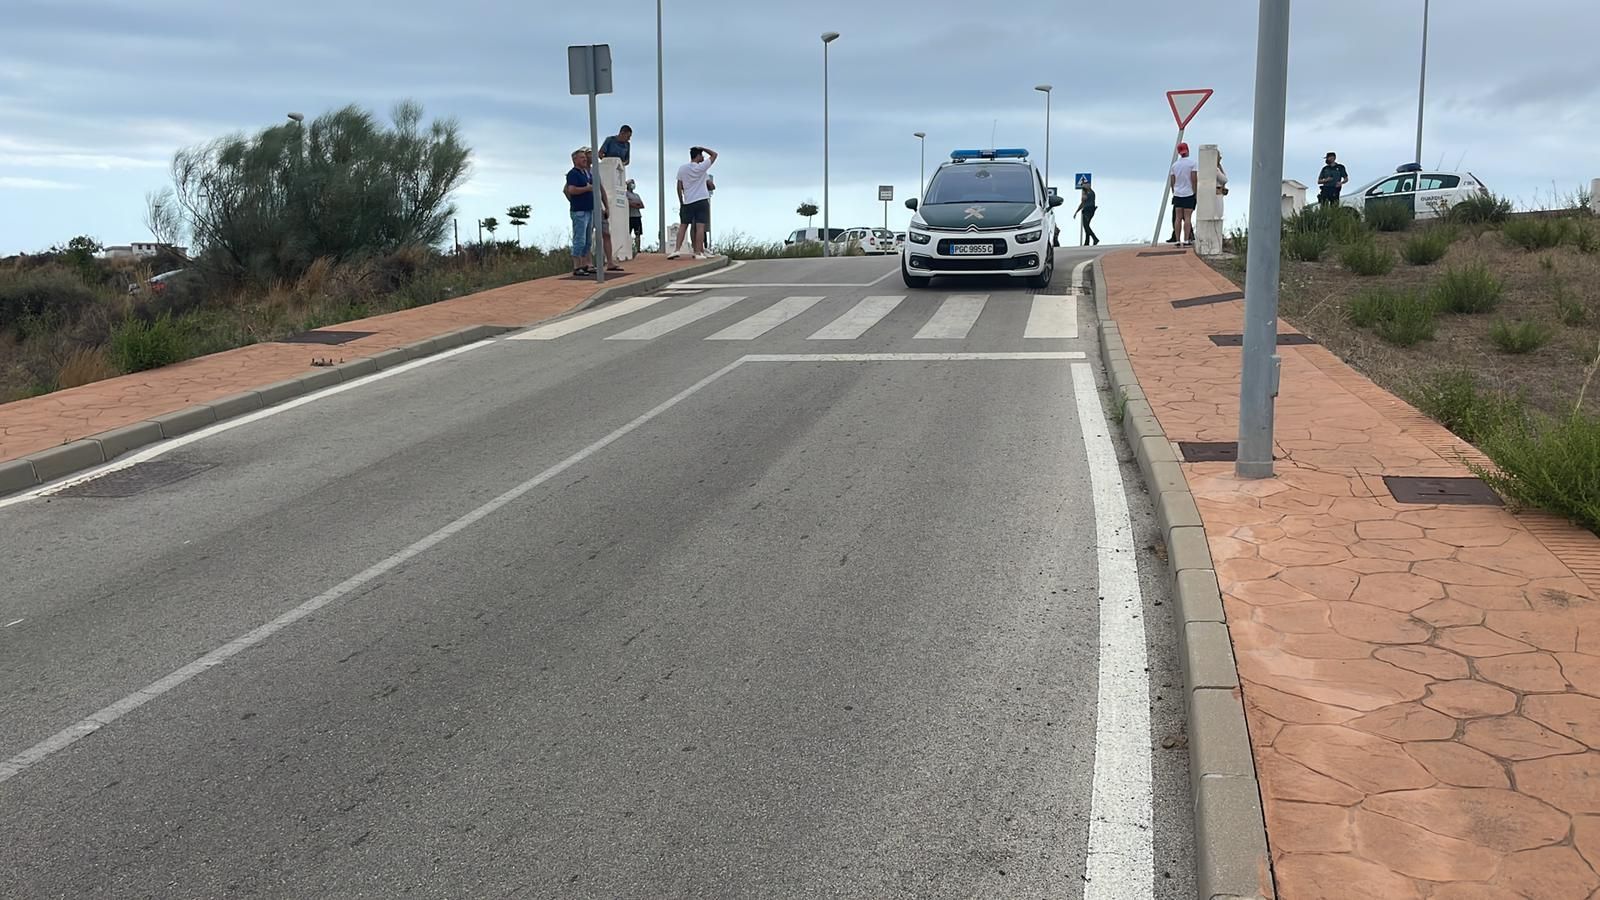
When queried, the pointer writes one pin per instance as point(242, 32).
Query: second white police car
point(986, 213)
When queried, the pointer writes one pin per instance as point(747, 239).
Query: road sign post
point(886, 194)
point(589, 73)
point(1184, 106)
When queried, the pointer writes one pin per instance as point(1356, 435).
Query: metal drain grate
point(1207, 300)
point(136, 479)
point(326, 337)
point(1164, 253)
point(1209, 451)
point(1447, 491)
point(1284, 340)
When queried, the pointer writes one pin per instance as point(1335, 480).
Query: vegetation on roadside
point(1364, 257)
point(1519, 337)
point(1427, 247)
point(1468, 290)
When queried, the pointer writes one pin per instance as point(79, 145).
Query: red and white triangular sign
point(1186, 103)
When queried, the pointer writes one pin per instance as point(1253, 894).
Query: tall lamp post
point(661, 141)
point(922, 168)
point(1422, 86)
point(828, 37)
point(1045, 90)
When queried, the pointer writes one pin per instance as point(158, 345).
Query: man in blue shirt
point(580, 199)
point(619, 145)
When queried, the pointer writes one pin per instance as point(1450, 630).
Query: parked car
point(1429, 195)
point(899, 239)
point(810, 236)
point(159, 283)
point(871, 240)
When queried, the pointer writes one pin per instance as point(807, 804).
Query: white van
point(811, 236)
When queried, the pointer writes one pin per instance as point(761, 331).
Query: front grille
point(975, 263)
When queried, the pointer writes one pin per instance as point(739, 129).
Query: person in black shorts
point(1184, 181)
point(1331, 180)
point(694, 199)
point(635, 216)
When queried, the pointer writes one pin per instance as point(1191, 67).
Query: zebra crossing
point(1049, 317)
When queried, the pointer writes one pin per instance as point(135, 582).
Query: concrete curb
point(1230, 834)
point(49, 465)
point(646, 285)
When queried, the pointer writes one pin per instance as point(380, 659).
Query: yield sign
point(1186, 103)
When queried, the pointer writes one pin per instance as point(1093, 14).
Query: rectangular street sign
point(886, 192)
point(1081, 180)
point(589, 69)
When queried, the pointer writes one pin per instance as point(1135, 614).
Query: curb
point(1230, 835)
point(49, 465)
point(646, 285)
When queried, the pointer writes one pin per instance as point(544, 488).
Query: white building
point(140, 250)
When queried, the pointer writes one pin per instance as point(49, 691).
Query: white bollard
point(1594, 196)
point(1208, 205)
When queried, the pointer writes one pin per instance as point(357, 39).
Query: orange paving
point(1421, 682)
point(37, 423)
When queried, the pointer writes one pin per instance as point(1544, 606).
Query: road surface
point(783, 582)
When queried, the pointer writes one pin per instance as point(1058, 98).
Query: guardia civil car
point(986, 213)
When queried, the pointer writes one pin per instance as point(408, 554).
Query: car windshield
point(1007, 183)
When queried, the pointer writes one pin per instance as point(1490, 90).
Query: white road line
point(672, 321)
point(1077, 276)
point(1052, 316)
point(732, 267)
point(853, 324)
point(587, 319)
point(910, 357)
point(16, 622)
point(1120, 863)
point(766, 320)
point(95, 721)
point(156, 450)
point(954, 317)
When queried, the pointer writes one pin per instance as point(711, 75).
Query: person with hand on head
point(1184, 180)
point(694, 199)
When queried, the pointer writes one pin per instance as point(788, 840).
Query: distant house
point(141, 250)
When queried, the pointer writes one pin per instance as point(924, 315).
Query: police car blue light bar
point(1001, 153)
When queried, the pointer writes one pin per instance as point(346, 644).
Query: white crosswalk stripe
point(861, 317)
point(570, 324)
point(1052, 316)
point(766, 320)
point(672, 321)
point(954, 318)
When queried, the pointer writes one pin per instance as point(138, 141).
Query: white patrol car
point(986, 213)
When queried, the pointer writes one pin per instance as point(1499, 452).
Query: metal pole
point(1259, 378)
point(661, 139)
point(597, 247)
point(1166, 189)
point(1047, 142)
point(922, 170)
point(1422, 86)
point(827, 236)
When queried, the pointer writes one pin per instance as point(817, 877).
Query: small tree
point(518, 216)
point(807, 209)
point(489, 225)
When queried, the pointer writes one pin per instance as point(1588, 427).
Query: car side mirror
point(1056, 200)
point(911, 204)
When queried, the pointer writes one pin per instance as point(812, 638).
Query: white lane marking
point(1052, 316)
point(101, 718)
point(909, 357)
point(587, 319)
point(676, 319)
point(1121, 859)
point(853, 324)
point(732, 267)
point(766, 320)
point(155, 450)
point(1077, 276)
point(954, 317)
point(17, 622)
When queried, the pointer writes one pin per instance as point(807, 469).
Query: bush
point(1367, 258)
point(1454, 400)
point(1305, 246)
point(1586, 238)
point(1473, 289)
point(137, 345)
point(1536, 234)
point(1388, 216)
point(1481, 209)
point(84, 366)
point(1521, 337)
point(1570, 310)
point(42, 299)
point(1548, 464)
point(1239, 240)
point(1340, 223)
point(1369, 307)
point(1426, 248)
point(1411, 322)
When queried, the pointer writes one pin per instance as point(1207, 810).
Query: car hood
point(983, 215)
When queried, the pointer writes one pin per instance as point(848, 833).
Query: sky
point(95, 96)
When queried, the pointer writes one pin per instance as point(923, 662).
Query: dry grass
point(85, 365)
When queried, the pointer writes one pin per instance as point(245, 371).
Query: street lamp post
point(828, 37)
point(922, 168)
point(1045, 89)
point(661, 140)
point(1422, 86)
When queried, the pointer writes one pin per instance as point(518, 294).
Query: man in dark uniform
point(1332, 180)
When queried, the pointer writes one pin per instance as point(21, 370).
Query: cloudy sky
point(96, 95)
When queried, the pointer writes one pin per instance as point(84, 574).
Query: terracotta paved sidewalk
point(38, 423)
point(1422, 683)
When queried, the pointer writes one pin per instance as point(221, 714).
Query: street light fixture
point(297, 117)
point(1045, 89)
point(922, 169)
point(828, 37)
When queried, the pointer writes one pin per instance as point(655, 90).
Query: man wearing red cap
point(1184, 180)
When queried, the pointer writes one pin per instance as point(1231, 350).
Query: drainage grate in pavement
point(326, 337)
point(1449, 491)
point(1284, 340)
point(1207, 300)
point(1164, 253)
point(136, 479)
point(1209, 451)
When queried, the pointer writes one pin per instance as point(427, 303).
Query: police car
point(986, 213)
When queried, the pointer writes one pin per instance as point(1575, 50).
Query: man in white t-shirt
point(1184, 179)
point(694, 199)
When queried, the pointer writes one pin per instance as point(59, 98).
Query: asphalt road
point(809, 593)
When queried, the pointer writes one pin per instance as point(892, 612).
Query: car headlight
point(920, 237)
point(1028, 237)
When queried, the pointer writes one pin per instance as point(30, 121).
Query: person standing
point(635, 216)
point(1184, 180)
point(1331, 180)
point(694, 199)
point(580, 199)
point(619, 145)
point(1087, 207)
point(1222, 185)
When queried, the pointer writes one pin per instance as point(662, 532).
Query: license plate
point(971, 249)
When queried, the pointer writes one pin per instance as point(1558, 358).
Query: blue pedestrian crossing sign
point(1080, 181)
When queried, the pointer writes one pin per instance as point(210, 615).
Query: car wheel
point(1042, 280)
point(913, 281)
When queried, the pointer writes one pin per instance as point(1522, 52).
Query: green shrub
point(1536, 234)
point(1570, 310)
point(1388, 216)
point(1586, 238)
point(1411, 322)
point(1468, 290)
point(1306, 246)
point(1239, 240)
point(42, 299)
point(1519, 337)
point(1548, 464)
point(1454, 400)
point(1340, 223)
point(1369, 307)
point(1481, 209)
point(1426, 248)
point(1367, 258)
point(137, 345)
